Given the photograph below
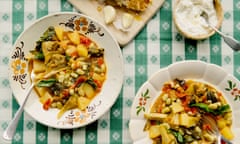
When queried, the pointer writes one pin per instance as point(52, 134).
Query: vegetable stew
point(70, 69)
point(175, 117)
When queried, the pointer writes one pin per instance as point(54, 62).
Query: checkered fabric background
point(156, 46)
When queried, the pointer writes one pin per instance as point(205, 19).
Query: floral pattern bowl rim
point(20, 78)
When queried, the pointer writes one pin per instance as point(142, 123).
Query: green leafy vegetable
point(178, 136)
point(92, 83)
point(220, 110)
point(48, 35)
point(223, 109)
point(46, 82)
point(39, 56)
point(68, 58)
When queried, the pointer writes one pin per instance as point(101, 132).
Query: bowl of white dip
point(188, 18)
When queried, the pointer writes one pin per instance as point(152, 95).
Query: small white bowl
point(198, 36)
point(19, 76)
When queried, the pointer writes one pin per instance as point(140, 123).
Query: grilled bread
point(136, 5)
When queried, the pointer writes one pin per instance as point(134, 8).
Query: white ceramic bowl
point(211, 74)
point(198, 34)
point(20, 78)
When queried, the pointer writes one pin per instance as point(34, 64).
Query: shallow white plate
point(20, 79)
point(198, 70)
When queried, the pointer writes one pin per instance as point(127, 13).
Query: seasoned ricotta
point(189, 16)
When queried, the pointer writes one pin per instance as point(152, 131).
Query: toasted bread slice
point(136, 5)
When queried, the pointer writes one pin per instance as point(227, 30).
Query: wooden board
point(91, 8)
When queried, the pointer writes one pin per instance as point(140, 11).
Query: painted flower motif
point(142, 101)
point(81, 24)
point(81, 117)
point(18, 67)
point(234, 91)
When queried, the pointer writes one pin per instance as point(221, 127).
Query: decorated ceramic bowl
point(20, 77)
point(211, 74)
point(191, 18)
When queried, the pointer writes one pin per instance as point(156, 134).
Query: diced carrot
point(47, 104)
point(85, 40)
point(185, 87)
point(185, 100)
point(166, 87)
point(187, 108)
point(74, 54)
point(223, 142)
point(194, 110)
point(98, 83)
point(78, 81)
point(181, 95)
point(206, 127)
point(218, 117)
point(65, 93)
point(100, 61)
point(204, 98)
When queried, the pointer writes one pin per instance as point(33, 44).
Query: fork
point(214, 129)
point(233, 43)
point(10, 131)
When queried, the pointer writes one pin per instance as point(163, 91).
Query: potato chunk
point(161, 130)
point(83, 103)
point(188, 121)
point(45, 97)
point(82, 50)
point(89, 90)
point(74, 37)
point(59, 32)
point(177, 107)
point(227, 133)
point(38, 66)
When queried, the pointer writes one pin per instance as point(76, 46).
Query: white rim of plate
point(119, 80)
point(189, 69)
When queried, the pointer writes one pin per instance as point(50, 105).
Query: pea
point(165, 97)
point(73, 74)
point(59, 105)
point(71, 91)
point(168, 101)
point(80, 71)
point(197, 130)
point(188, 138)
point(54, 105)
point(213, 106)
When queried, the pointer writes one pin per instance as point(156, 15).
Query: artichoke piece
point(177, 107)
point(161, 130)
point(155, 116)
point(70, 104)
point(188, 121)
point(55, 61)
point(83, 103)
point(38, 66)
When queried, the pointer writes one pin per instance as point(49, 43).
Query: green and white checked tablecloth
point(156, 46)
